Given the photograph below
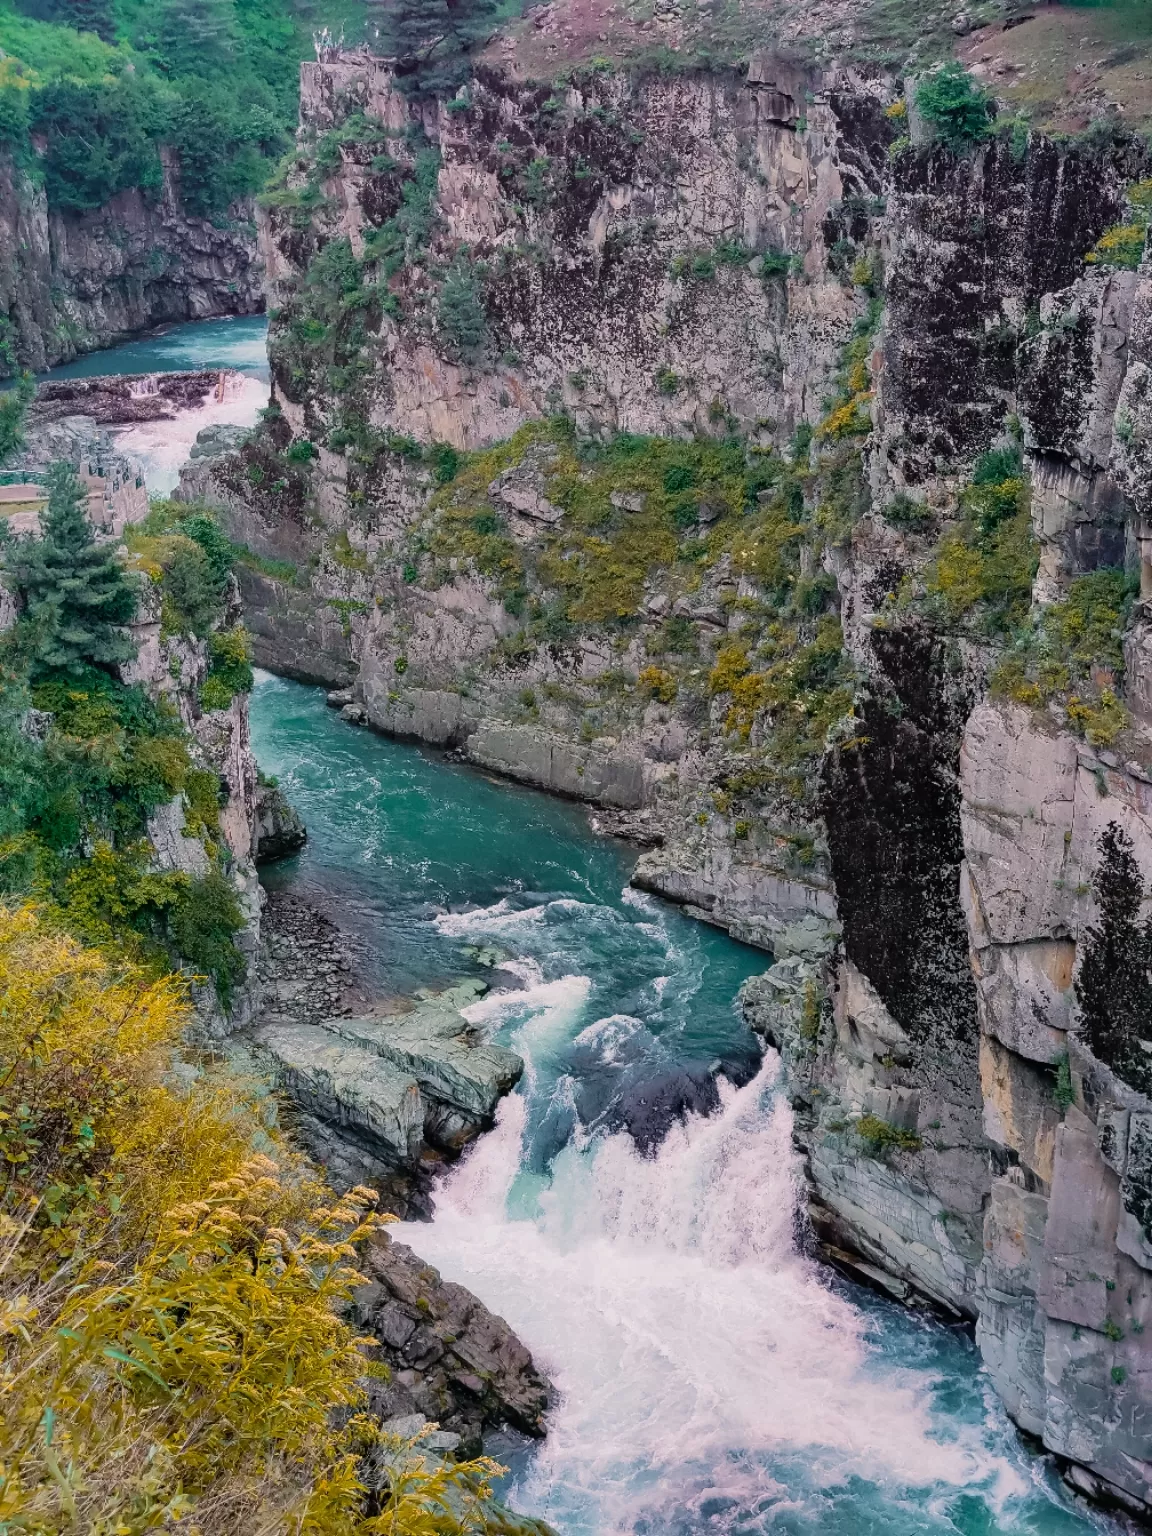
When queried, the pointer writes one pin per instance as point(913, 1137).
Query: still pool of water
point(712, 1378)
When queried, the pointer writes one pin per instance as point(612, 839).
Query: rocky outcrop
point(921, 870)
point(70, 283)
point(389, 1093)
point(277, 829)
point(174, 667)
point(450, 1359)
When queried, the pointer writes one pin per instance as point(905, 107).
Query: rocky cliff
point(705, 448)
point(70, 283)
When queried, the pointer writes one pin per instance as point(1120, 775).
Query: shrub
point(656, 683)
point(175, 1350)
point(191, 593)
point(460, 312)
point(879, 1137)
point(959, 111)
point(1121, 246)
point(230, 666)
point(1075, 653)
point(902, 511)
point(445, 462)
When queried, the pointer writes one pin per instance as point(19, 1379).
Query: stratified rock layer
point(450, 1358)
point(71, 283)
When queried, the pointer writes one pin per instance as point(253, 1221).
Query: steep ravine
point(72, 283)
point(871, 385)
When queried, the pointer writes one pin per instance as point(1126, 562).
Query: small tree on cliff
point(1114, 988)
point(73, 587)
point(14, 405)
point(431, 40)
point(958, 110)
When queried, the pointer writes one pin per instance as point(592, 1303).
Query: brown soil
point(1063, 67)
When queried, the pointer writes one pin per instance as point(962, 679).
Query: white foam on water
point(162, 446)
point(689, 1340)
point(609, 1035)
point(501, 917)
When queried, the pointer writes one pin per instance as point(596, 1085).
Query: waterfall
point(705, 1367)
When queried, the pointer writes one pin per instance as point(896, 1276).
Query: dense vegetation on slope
point(171, 1349)
point(106, 83)
point(81, 775)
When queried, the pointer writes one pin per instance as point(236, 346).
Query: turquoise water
point(711, 1378)
point(240, 343)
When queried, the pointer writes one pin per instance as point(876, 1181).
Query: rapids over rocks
point(712, 1378)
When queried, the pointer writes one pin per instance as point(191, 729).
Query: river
point(712, 1378)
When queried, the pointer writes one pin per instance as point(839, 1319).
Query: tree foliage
point(1114, 987)
point(14, 405)
point(77, 589)
point(106, 85)
point(959, 111)
point(432, 40)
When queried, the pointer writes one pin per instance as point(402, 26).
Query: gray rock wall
point(72, 283)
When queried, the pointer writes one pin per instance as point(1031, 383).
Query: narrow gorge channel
point(712, 1378)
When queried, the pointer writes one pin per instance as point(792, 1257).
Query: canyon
point(493, 320)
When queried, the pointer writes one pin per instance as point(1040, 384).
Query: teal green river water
point(711, 1377)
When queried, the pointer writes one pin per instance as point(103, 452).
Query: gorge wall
point(704, 448)
point(71, 283)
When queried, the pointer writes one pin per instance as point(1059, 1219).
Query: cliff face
point(174, 667)
point(784, 638)
point(71, 283)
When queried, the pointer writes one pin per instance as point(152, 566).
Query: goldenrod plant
point(172, 1285)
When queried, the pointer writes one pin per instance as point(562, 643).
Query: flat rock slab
point(347, 1085)
point(438, 1048)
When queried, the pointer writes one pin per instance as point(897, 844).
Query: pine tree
point(1114, 988)
point(14, 405)
point(77, 588)
point(431, 40)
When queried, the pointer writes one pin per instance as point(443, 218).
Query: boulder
point(353, 1088)
point(462, 1078)
point(394, 1082)
point(277, 828)
point(450, 1359)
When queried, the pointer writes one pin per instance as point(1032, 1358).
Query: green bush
point(879, 1137)
point(230, 668)
point(460, 312)
point(100, 139)
point(192, 596)
point(959, 111)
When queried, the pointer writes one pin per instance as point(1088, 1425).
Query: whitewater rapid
point(703, 1364)
point(161, 447)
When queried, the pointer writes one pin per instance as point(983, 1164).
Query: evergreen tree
point(76, 588)
point(14, 405)
point(431, 40)
point(1114, 988)
point(463, 322)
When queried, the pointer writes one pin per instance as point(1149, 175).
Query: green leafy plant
point(959, 111)
point(880, 1138)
